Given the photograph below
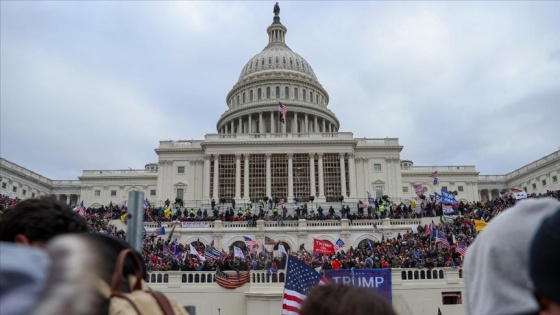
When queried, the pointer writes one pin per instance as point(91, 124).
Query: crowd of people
point(33, 223)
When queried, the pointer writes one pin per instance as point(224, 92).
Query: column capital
point(268, 155)
point(246, 155)
point(351, 154)
point(341, 155)
point(238, 156)
point(169, 162)
point(290, 155)
point(312, 155)
point(207, 157)
point(320, 155)
point(216, 156)
point(192, 162)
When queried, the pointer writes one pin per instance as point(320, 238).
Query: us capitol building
point(257, 151)
point(260, 149)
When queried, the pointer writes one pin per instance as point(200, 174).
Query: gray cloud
point(93, 85)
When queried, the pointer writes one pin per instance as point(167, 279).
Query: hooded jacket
point(496, 268)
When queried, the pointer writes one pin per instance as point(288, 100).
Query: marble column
point(321, 176)
point(272, 123)
point(246, 177)
point(215, 195)
point(238, 176)
point(206, 178)
point(312, 174)
point(295, 124)
point(290, 177)
point(315, 129)
point(352, 175)
point(268, 176)
point(261, 127)
point(306, 128)
point(250, 127)
point(342, 175)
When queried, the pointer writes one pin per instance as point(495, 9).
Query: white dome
point(277, 58)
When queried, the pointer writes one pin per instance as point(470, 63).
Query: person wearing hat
point(543, 265)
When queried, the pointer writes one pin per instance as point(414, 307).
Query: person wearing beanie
point(543, 265)
point(496, 267)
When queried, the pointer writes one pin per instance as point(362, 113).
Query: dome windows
point(268, 92)
point(250, 95)
point(243, 97)
point(259, 94)
point(304, 95)
point(311, 96)
point(277, 92)
point(262, 63)
point(284, 60)
point(277, 60)
point(287, 93)
point(296, 94)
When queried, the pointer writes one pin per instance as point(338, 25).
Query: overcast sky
point(97, 84)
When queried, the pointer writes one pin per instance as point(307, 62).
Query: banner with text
point(448, 198)
point(323, 247)
point(374, 279)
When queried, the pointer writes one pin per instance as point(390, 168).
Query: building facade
point(278, 139)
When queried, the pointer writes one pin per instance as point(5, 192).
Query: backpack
point(141, 300)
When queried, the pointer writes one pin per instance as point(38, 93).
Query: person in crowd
point(337, 299)
point(543, 265)
point(34, 222)
point(496, 269)
point(25, 228)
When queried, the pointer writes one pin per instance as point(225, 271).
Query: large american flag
point(370, 198)
point(441, 238)
point(300, 279)
point(231, 281)
point(282, 108)
point(250, 242)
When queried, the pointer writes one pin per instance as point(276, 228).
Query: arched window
point(262, 63)
point(268, 92)
point(243, 97)
point(304, 95)
point(296, 94)
point(287, 92)
point(310, 96)
point(284, 60)
point(277, 92)
point(251, 96)
point(237, 99)
point(316, 98)
point(291, 63)
point(259, 93)
point(269, 60)
point(276, 59)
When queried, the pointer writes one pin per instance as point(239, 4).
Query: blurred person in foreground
point(544, 265)
point(496, 269)
point(338, 299)
point(24, 231)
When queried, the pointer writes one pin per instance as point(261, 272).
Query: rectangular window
point(14, 189)
point(451, 298)
point(377, 167)
point(4, 185)
point(181, 169)
point(152, 192)
point(32, 195)
point(97, 193)
point(554, 179)
point(113, 193)
point(534, 186)
point(444, 188)
point(405, 190)
point(378, 191)
point(525, 189)
point(24, 192)
point(180, 193)
point(460, 188)
point(544, 182)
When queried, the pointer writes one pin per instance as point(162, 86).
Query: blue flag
point(447, 198)
point(435, 181)
point(437, 196)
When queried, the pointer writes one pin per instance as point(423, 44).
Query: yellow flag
point(413, 203)
point(123, 217)
point(479, 225)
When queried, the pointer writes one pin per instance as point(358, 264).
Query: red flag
point(323, 247)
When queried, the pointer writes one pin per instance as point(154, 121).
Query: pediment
point(378, 182)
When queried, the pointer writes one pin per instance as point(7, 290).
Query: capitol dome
point(273, 77)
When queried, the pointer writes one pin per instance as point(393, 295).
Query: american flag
point(338, 245)
point(281, 202)
point(300, 279)
point(376, 230)
point(231, 281)
point(250, 242)
point(370, 198)
point(441, 238)
point(212, 253)
point(433, 174)
point(282, 108)
point(269, 241)
point(462, 249)
point(81, 210)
